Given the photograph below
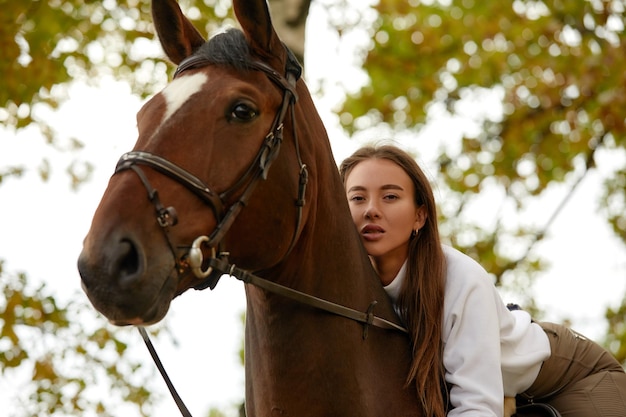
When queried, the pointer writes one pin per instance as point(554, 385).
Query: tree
point(65, 360)
point(556, 69)
point(53, 43)
point(45, 46)
point(289, 18)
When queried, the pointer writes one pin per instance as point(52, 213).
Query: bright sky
point(44, 224)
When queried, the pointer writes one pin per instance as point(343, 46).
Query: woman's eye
point(242, 112)
point(356, 198)
point(391, 197)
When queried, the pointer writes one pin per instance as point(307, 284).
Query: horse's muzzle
point(120, 287)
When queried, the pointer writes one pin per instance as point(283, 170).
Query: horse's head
point(205, 146)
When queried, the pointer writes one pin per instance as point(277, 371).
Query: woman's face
point(382, 202)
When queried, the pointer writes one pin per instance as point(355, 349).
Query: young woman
point(462, 334)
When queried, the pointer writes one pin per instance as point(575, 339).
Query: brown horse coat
point(212, 120)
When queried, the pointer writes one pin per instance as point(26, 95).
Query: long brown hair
point(420, 302)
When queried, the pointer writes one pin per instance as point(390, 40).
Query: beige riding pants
point(580, 378)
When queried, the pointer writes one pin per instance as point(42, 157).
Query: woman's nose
point(371, 211)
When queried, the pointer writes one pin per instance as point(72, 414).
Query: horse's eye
point(242, 112)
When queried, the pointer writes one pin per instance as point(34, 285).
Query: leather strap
point(190, 181)
point(155, 357)
point(536, 410)
point(367, 318)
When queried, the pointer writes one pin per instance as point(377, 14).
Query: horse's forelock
point(227, 48)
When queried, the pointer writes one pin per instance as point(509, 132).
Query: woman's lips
point(371, 232)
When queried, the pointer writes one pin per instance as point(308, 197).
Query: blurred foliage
point(57, 365)
point(556, 68)
point(7, 172)
point(46, 44)
point(616, 339)
point(543, 81)
point(614, 201)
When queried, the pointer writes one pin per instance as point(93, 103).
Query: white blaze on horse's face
point(179, 90)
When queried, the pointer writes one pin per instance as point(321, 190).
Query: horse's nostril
point(129, 261)
point(128, 264)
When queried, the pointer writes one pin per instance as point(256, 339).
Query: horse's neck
point(328, 262)
point(309, 362)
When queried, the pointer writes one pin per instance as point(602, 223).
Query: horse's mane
point(227, 48)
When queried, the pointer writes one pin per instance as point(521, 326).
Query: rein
point(367, 318)
point(221, 265)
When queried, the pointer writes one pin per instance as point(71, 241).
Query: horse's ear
point(179, 38)
point(254, 18)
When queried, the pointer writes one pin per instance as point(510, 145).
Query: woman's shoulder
point(457, 260)
point(463, 272)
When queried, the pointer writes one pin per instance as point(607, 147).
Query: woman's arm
point(472, 340)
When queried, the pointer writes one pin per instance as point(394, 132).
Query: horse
point(196, 199)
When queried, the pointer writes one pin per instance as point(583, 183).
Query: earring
point(414, 233)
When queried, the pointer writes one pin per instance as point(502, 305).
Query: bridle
point(218, 263)
point(256, 171)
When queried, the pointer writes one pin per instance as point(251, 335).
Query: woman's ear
point(420, 217)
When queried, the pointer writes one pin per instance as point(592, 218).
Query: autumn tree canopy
point(556, 68)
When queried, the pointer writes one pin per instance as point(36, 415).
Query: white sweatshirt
point(488, 351)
